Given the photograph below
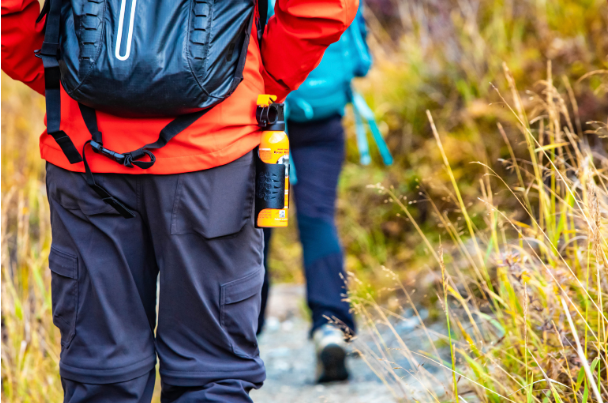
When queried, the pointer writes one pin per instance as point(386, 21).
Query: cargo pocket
point(64, 293)
point(240, 306)
point(216, 202)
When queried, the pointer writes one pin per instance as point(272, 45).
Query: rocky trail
point(290, 362)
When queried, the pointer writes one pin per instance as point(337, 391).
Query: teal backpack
point(327, 90)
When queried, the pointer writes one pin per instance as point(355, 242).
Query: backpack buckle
point(48, 49)
point(113, 155)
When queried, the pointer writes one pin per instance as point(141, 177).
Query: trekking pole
point(366, 113)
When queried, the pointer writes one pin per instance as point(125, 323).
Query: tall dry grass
point(30, 342)
point(525, 297)
point(514, 182)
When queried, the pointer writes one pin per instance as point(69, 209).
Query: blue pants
point(317, 150)
point(193, 234)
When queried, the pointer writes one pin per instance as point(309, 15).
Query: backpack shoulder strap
point(263, 19)
point(49, 53)
point(358, 34)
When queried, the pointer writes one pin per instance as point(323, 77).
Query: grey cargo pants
point(193, 231)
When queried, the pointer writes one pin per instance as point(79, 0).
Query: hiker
point(150, 175)
point(316, 136)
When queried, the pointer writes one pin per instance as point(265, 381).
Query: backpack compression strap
point(129, 159)
point(49, 53)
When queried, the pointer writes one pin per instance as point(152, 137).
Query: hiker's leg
point(211, 275)
point(318, 153)
point(226, 391)
point(103, 288)
point(266, 286)
point(138, 390)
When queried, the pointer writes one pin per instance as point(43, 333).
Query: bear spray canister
point(272, 177)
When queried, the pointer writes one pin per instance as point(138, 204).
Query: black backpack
point(173, 58)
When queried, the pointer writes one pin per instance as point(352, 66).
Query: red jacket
point(292, 46)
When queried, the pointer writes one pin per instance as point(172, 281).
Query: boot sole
point(333, 359)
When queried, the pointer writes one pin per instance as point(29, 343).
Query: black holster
point(269, 185)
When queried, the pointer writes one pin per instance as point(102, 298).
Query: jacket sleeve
point(296, 38)
point(21, 35)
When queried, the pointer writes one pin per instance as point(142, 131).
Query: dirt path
point(290, 364)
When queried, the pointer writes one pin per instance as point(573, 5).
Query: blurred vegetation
point(511, 255)
point(30, 342)
point(447, 57)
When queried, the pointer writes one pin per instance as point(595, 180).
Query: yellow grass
point(503, 178)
